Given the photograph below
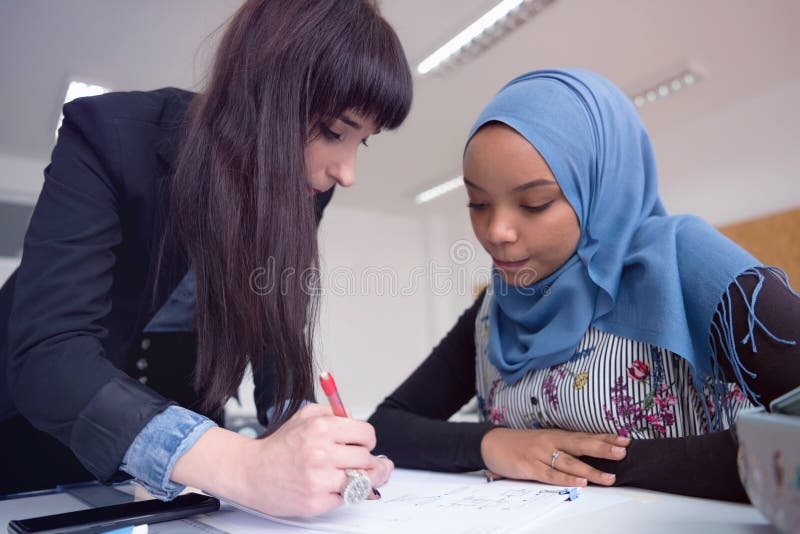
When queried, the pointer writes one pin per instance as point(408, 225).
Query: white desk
point(643, 511)
point(651, 512)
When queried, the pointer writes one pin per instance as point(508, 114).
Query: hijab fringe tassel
point(722, 332)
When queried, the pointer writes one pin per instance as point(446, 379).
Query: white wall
point(465, 266)
point(7, 266)
point(374, 332)
point(21, 178)
point(735, 164)
point(20, 181)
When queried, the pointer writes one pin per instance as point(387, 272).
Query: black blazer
point(71, 317)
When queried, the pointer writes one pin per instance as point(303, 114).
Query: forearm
point(216, 463)
point(774, 367)
point(416, 442)
point(411, 424)
point(99, 431)
point(697, 466)
point(151, 457)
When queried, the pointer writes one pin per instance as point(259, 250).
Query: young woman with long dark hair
point(135, 310)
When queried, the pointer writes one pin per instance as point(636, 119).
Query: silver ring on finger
point(357, 488)
point(554, 457)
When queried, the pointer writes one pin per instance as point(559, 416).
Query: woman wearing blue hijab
point(615, 343)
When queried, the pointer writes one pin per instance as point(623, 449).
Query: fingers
point(352, 457)
point(352, 432)
point(606, 446)
point(614, 439)
point(380, 471)
point(318, 425)
point(559, 478)
point(571, 466)
point(340, 443)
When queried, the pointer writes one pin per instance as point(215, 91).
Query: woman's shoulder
point(159, 105)
point(124, 129)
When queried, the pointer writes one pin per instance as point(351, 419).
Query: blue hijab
point(637, 272)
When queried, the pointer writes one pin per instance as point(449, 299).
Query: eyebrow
point(527, 185)
point(353, 124)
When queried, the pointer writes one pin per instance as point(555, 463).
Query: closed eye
point(476, 205)
point(329, 133)
point(536, 209)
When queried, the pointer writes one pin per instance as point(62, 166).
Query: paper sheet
point(426, 502)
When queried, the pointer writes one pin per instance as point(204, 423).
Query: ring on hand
point(357, 488)
point(553, 459)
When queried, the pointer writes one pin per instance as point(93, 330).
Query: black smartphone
point(117, 516)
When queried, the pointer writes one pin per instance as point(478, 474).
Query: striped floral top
point(611, 384)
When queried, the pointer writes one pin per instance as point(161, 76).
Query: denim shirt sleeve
point(152, 455)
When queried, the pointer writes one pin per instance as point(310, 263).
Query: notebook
point(422, 501)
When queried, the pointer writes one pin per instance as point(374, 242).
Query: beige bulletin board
point(774, 239)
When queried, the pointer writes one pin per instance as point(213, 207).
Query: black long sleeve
point(412, 428)
point(75, 279)
point(411, 423)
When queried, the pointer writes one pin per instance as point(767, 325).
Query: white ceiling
point(725, 146)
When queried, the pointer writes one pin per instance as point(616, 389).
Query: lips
point(510, 264)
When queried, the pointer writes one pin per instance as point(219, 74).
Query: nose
point(343, 171)
point(501, 229)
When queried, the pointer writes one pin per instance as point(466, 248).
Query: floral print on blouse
point(610, 384)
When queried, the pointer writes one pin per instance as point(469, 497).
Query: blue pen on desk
point(572, 493)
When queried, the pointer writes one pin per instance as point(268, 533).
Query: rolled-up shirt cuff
point(152, 455)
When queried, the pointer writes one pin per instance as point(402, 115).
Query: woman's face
point(331, 152)
point(518, 211)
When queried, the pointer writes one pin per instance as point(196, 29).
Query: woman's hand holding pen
point(304, 461)
point(550, 456)
point(296, 471)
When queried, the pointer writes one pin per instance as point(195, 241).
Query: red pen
point(332, 392)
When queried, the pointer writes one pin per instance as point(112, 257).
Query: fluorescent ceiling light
point(668, 85)
point(77, 90)
point(494, 24)
point(439, 190)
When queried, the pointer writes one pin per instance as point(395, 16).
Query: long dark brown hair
point(239, 199)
